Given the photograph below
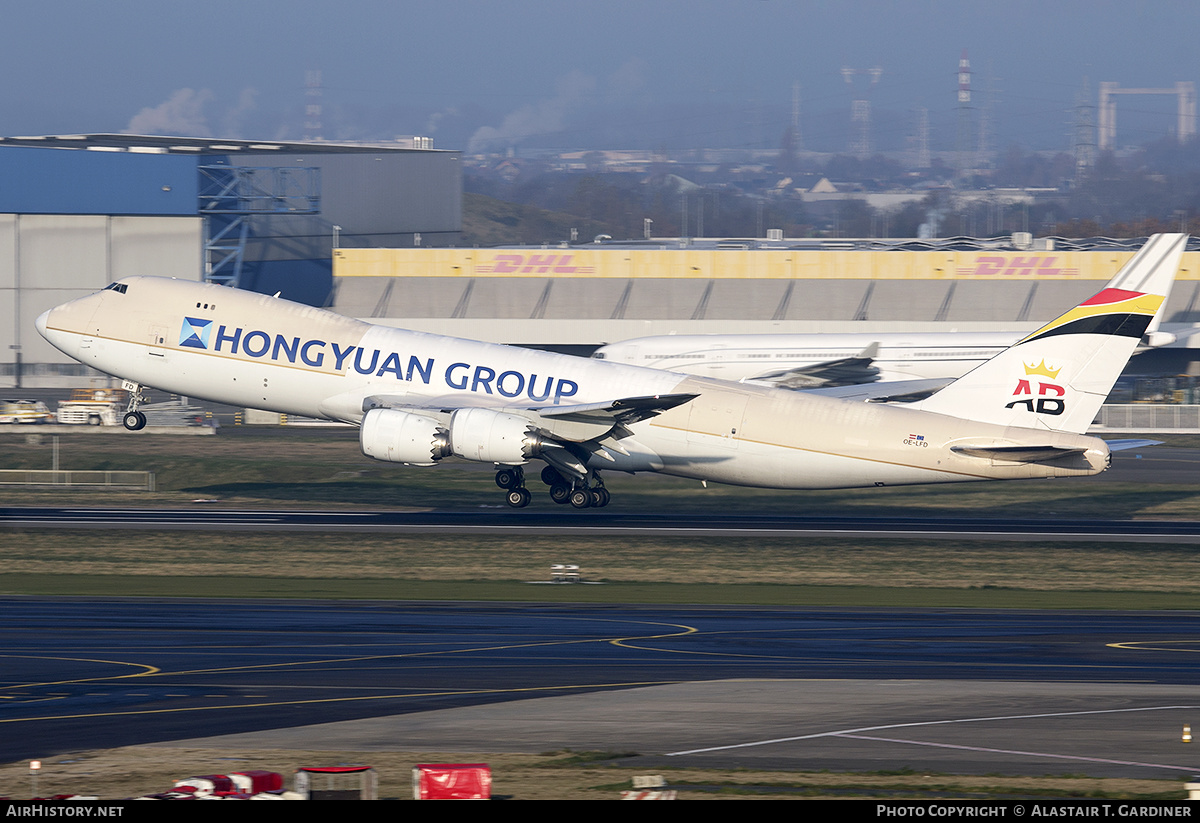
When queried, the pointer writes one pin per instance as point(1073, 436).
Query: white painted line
point(845, 732)
point(1189, 769)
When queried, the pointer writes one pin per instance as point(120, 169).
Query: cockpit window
point(117, 287)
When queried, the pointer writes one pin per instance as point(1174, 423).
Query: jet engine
point(401, 437)
point(490, 436)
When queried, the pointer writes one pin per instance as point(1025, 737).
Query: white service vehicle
point(24, 411)
point(93, 407)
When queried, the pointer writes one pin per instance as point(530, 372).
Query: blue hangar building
point(80, 211)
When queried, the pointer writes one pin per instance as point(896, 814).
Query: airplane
point(806, 361)
point(920, 361)
point(420, 398)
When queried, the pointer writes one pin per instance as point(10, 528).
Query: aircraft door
point(157, 342)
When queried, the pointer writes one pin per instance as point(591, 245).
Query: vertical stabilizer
point(1058, 377)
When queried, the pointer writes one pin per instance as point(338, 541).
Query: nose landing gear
point(134, 420)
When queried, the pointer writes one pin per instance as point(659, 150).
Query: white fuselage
point(246, 349)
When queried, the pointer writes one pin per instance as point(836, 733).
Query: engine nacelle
point(401, 437)
point(489, 436)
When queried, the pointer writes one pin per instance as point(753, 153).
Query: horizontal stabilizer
point(1122, 445)
point(1017, 454)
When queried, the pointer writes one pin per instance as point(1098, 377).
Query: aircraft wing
point(624, 411)
point(844, 371)
point(899, 391)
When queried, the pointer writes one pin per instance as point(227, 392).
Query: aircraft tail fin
point(1058, 377)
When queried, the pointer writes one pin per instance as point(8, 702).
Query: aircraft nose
point(42, 321)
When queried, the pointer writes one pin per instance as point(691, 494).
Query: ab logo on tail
point(1049, 395)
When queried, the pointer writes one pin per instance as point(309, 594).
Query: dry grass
point(136, 770)
point(324, 469)
point(302, 469)
point(1021, 565)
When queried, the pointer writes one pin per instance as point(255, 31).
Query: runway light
point(1187, 733)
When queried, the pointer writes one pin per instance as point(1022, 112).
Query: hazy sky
point(565, 74)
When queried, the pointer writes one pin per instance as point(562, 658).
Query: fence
point(47, 477)
point(1145, 417)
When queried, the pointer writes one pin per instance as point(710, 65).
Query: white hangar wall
point(48, 259)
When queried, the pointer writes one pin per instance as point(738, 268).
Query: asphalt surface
point(607, 523)
point(726, 686)
point(1018, 692)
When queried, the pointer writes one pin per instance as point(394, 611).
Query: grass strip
point(518, 592)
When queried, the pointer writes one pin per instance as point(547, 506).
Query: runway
point(1080, 692)
point(972, 691)
point(568, 522)
point(1150, 465)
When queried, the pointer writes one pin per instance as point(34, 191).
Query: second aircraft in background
point(811, 361)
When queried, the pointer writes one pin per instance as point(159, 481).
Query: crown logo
point(1041, 368)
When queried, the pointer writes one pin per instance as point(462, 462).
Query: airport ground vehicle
point(24, 411)
point(93, 407)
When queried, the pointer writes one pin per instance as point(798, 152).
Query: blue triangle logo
point(194, 333)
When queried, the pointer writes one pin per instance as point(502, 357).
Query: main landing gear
point(512, 478)
point(579, 494)
point(134, 420)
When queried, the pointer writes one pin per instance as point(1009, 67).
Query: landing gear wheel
point(550, 476)
point(600, 498)
point(518, 498)
point(509, 478)
point(581, 498)
point(559, 492)
point(135, 421)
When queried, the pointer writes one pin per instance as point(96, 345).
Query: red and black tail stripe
point(1112, 312)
